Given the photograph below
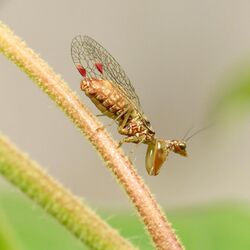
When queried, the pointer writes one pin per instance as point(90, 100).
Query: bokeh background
point(179, 55)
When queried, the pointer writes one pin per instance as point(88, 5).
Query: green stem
point(156, 223)
point(29, 177)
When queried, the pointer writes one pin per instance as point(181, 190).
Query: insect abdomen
point(106, 98)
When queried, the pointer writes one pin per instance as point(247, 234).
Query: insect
point(109, 88)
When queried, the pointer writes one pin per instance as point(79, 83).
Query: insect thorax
point(136, 127)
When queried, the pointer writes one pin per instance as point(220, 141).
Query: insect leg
point(117, 118)
point(128, 112)
point(132, 139)
point(127, 139)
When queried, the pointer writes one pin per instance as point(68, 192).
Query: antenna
point(187, 132)
point(198, 131)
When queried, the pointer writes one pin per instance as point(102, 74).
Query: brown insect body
point(112, 103)
point(107, 85)
point(107, 99)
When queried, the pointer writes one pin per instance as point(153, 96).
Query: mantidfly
point(109, 88)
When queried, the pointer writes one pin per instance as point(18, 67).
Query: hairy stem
point(156, 223)
point(70, 211)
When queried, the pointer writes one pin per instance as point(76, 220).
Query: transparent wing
point(94, 61)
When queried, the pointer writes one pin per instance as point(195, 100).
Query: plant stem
point(156, 223)
point(70, 211)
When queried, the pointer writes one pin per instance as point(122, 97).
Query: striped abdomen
point(109, 100)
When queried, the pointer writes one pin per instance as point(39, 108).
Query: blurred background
point(188, 61)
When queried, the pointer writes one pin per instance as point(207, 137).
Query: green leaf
point(233, 100)
point(8, 240)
